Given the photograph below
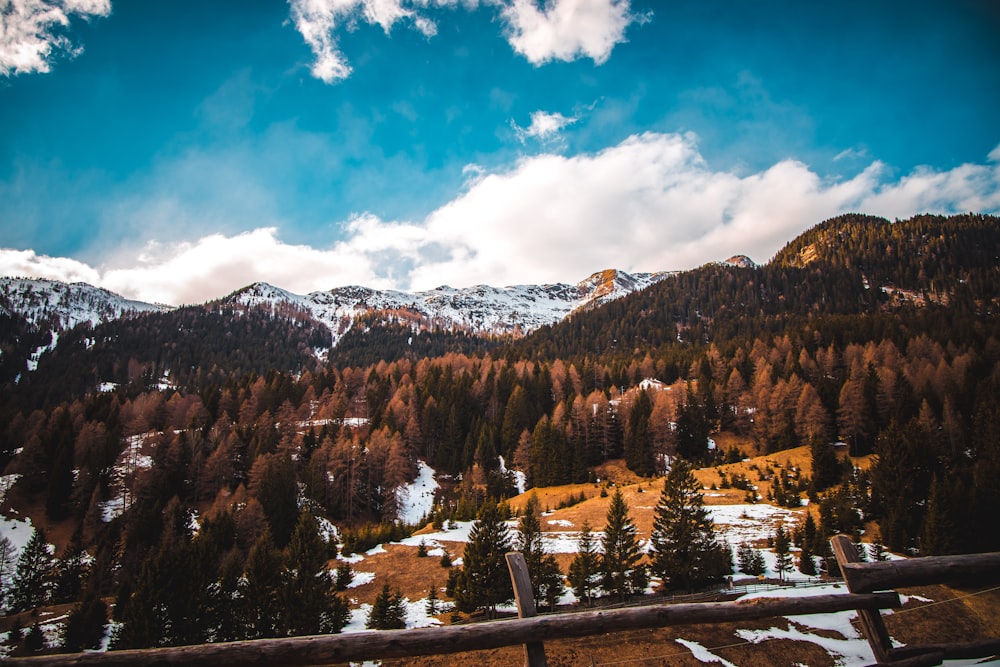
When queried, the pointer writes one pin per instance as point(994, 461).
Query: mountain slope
point(846, 266)
point(60, 306)
point(479, 310)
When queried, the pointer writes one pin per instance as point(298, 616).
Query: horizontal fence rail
point(385, 644)
point(864, 577)
point(890, 574)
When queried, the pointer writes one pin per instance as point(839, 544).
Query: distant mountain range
point(482, 309)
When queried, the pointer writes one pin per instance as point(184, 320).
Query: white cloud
point(558, 30)
point(319, 20)
point(566, 29)
point(649, 203)
point(994, 155)
point(25, 263)
point(32, 31)
point(544, 126)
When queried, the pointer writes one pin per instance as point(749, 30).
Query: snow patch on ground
point(361, 579)
point(702, 654)
point(416, 499)
point(850, 648)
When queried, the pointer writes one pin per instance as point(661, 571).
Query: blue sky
point(175, 151)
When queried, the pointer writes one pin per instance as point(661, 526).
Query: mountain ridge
point(480, 309)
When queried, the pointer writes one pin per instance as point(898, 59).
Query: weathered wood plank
point(524, 597)
point(326, 649)
point(871, 621)
point(972, 650)
point(892, 574)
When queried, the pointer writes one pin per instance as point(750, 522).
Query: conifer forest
point(203, 475)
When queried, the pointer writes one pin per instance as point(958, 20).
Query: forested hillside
point(881, 335)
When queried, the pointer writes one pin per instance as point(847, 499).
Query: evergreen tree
point(826, 468)
point(140, 612)
point(273, 483)
point(225, 606)
point(584, 571)
point(750, 560)
point(638, 439)
point(546, 579)
point(388, 611)
point(782, 549)
point(70, 572)
point(484, 581)
point(35, 640)
point(940, 535)
point(878, 551)
point(30, 586)
point(432, 600)
point(86, 625)
point(343, 577)
point(311, 606)
point(684, 550)
point(692, 430)
point(260, 589)
point(620, 567)
point(807, 563)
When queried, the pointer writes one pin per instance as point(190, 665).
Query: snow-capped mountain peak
point(741, 261)
point(61, 306)
point(482, 309)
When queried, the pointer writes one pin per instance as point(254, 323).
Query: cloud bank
point(558, 30)
point(649, 203)
point(32, 31)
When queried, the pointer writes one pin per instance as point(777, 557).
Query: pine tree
point(311, 606)
point(484, 581)
point(388, 611)
point(750, 560)
point(940, 535)
point(807, 563)
point(86, 624)
point(692, 430)
point(683, 546)
point(620, 566)
point(878, 551)
point(432, 600)
point(584, 571)
point(141, 613)
point(35, 640)
point(30, 586)
point(638, 439)
point(260, 589)
point(70, 572)
point(343, 577)
point(546, 579)
point(826, 468)
point(782, 549)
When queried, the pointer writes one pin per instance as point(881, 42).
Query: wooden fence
point(532, 631)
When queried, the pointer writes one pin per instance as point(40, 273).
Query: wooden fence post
point(534, 652)
point(871, 620)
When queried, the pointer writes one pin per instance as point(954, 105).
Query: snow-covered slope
point(61, 306)
point(518, 309)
